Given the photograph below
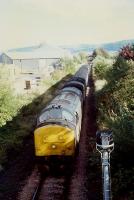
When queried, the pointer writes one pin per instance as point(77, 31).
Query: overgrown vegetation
point(102, 64)
point(127, 52)
point(18, 113)
point(8, 104)
point(101, 52)
point(21, 126)
point(69, 66)
point(115, 102)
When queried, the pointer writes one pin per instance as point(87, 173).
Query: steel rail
point(37, 191)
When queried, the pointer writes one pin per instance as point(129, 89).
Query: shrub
point(127, 52)
point(9, 104)
point(116, 111)
point(101, 52)
point(101, 65)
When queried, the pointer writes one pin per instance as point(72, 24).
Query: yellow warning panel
point(54, 140)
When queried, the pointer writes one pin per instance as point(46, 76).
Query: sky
point(65, 22)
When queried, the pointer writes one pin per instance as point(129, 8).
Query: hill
point(113, 46)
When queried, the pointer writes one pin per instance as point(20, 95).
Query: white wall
point(27, 65)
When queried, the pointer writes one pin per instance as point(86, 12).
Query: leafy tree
point(116, 111)
point(100, 52)
point(102, 65)
point(127, 52)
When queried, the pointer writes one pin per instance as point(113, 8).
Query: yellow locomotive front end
point(57, 132)
point(54, 140)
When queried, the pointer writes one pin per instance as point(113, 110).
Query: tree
point(127, 52)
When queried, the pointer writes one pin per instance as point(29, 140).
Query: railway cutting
point(73, 181)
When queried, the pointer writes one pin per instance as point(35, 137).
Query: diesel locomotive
point(59, 124)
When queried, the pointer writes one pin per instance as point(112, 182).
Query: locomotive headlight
point(53, 146)
point(60, 137)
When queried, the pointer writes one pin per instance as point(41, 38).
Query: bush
point(101, 65)
point(70, 65)
point(9, 104)
point(101, 52)
point(127, 52)
point(118, 70)
point(116, 111)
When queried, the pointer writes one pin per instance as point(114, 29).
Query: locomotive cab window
point(55, 113)
point(68, 116)
point(44, 116)
point(50, 114)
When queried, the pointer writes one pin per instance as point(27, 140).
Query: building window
point(28, 85)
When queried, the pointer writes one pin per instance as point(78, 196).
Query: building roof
point(5, 54)
point(40, 51)
point(1, 53)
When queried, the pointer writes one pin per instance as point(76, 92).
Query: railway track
point(75, 185)
point(51, 188)
point(37, 191)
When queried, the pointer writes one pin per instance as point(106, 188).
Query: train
point(58, 128)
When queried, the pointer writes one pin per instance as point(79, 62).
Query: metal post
point(105, 146)
point(106, 176)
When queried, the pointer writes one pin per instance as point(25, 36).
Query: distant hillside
point(113, 46)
